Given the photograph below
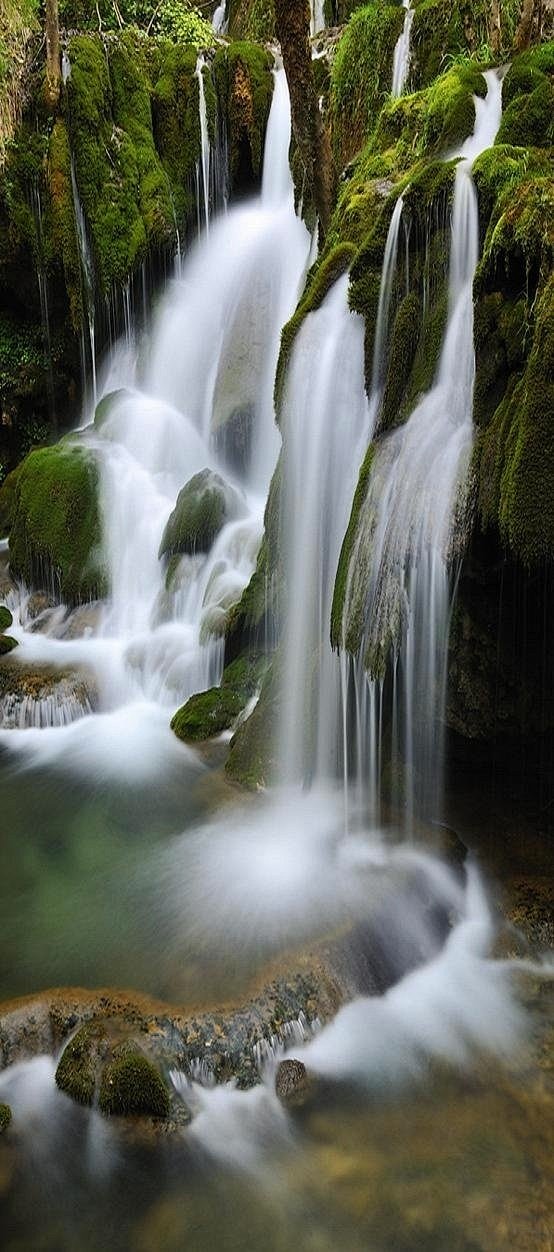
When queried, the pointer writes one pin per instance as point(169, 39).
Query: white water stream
point(212, 362)
point(401, 59)
point(415, 495)
point(290, 869)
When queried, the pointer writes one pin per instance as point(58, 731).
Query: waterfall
point(317, 16)
point(401, 59)
point(203, 165)
point(327, 422)
point(219, 20)
point(409, 516)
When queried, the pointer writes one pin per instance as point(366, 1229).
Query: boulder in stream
point(203, 507)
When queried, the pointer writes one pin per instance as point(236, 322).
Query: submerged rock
point(203, 507)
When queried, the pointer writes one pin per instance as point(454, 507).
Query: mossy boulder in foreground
point(208, 713)
point(55, 529)
point(132, 1084)
point(203, 507)
point(97, 1065)
point(7, 644)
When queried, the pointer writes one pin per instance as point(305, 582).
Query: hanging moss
point(361, 75)
point(244, 81)
point(60, 223)
point(251, 19)
point(516, 451)
point(55, 532)
point(355, 623)
point(320, 280)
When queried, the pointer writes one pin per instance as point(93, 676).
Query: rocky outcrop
point(203, 508)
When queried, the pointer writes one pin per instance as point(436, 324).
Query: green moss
point(352, 642)
point(7, 644)
point(251, 19)
point(516, 451)
point(251, 759)
point(55, 534)
point(8, 499)
point(361, 75)
point(244, 81)
point(131, 1085)
point(6, 618)
point(78, 1067)
point(403, 347)
point(202, 508)
point(207, 714)
point(125, 97)
point(60, 223)
point(324, 273)
point(5, 1117)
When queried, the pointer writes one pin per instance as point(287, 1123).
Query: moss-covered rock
point(55, 534)
point(352, 637)
point(81, 1061)
point(244, 83)
point(361, 75)
point(5, 1117)
point(7, 644)
point(208, 713)
point(132, 1085)
point(203, 507)
point(6, 618)
point(320, 280)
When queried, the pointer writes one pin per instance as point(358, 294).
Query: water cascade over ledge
point(400, 567)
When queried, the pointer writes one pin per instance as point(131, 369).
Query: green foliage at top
point(176, 19)
point(528, 99)
point(55, 533)
point(361, 74)
point(251, 19)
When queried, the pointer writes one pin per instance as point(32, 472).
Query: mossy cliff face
point(402, 148)
point(55, 534)
point(127, 132)
point(514, 325)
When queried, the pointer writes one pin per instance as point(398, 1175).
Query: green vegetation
point(79, 1064)
point(355, 621)
point(208, 713)
point(361, 75)
point(131, 1085)
point(244, 83)
point(323, 274)
point(55, 529)
point(176, 19)
point(7, 644)
point(203, 507)
point(5, 1117)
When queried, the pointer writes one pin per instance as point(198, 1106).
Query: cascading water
point(401, 59)
point(219, 20)
point(409, 520)
point(327, 422)
point(317, 16)
point(156, 642)
point(203, 164)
